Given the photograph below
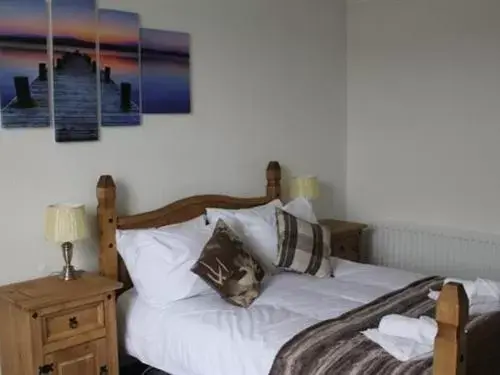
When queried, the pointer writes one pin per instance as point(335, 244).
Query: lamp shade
point(306, 187)
point(65, 223)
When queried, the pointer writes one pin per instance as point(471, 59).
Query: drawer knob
point(46, 369)
point(73, 323)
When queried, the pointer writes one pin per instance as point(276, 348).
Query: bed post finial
point(106, 216)
point(273, 175)
point(452, 314)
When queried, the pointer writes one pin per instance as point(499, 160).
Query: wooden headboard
point(110, 262)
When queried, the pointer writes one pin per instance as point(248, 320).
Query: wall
point(269, 83)
point(424, 112)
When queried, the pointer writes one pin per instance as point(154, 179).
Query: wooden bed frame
point(452, 307)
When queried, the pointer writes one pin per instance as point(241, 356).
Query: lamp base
point(68, 273)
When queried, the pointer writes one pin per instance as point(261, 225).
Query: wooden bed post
point(452, 314)
point(273, 175)
point(106, 214)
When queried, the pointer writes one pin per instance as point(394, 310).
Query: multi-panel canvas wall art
point(24, 62)
point(74, 33)
point(166, 65)
point(70, 64)
point(119, 61)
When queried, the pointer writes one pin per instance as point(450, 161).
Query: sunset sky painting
point(74, 30)
point(24, 18)
point(24, 27)
point(165, 41)
point(166, 72)
point(119, 29)
point(119, 39)
point(100, 68)
point(74, 19)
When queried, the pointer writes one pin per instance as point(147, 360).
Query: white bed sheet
point(205, 335)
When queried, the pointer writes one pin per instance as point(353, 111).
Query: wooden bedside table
point(49, 326)
point(346, 239)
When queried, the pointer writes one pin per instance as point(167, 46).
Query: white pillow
point(264, 212)
point(159, 260)
point(301, 208)
point(257, 226)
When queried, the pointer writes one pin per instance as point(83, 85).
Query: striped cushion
point(302, 246)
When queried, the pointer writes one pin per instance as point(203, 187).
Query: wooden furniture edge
point(13, 295)
point(341, 227)
point(450, 346)
point(110, 263)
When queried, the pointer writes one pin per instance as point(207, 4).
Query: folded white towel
point(404, 338)
point(483, 294)
point(433, 294)
point(400, 348)
point(487, 289)
point(422, 330)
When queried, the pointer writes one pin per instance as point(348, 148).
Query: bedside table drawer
point(346, 248)
point(72, 322)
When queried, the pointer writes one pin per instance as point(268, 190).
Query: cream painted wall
point(269, 82)
point(424, 112)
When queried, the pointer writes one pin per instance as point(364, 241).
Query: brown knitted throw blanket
point(336, 346)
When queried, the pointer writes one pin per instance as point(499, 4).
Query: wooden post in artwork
point(66, 56)
point(452, 314)
point(107, 74)
point(273, 175)
point(94, 67)
point(42, 72)
point(23, 92)
point(106, 215)
point(125, 96)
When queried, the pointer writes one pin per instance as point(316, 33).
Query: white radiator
point(434, 250)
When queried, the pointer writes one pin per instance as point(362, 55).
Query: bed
point(206, 336)
point(247, 341)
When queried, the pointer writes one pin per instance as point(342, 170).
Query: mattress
point(205, 335)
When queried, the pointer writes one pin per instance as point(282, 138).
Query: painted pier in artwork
point(30, 107)
point(75, 97)
point(117, 96)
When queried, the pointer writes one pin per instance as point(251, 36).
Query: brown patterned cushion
point(227, 267)
point(302, 246)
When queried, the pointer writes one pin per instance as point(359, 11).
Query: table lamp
point(306, 187)
point(65, 224)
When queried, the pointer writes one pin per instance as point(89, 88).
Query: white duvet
point(205, 335)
